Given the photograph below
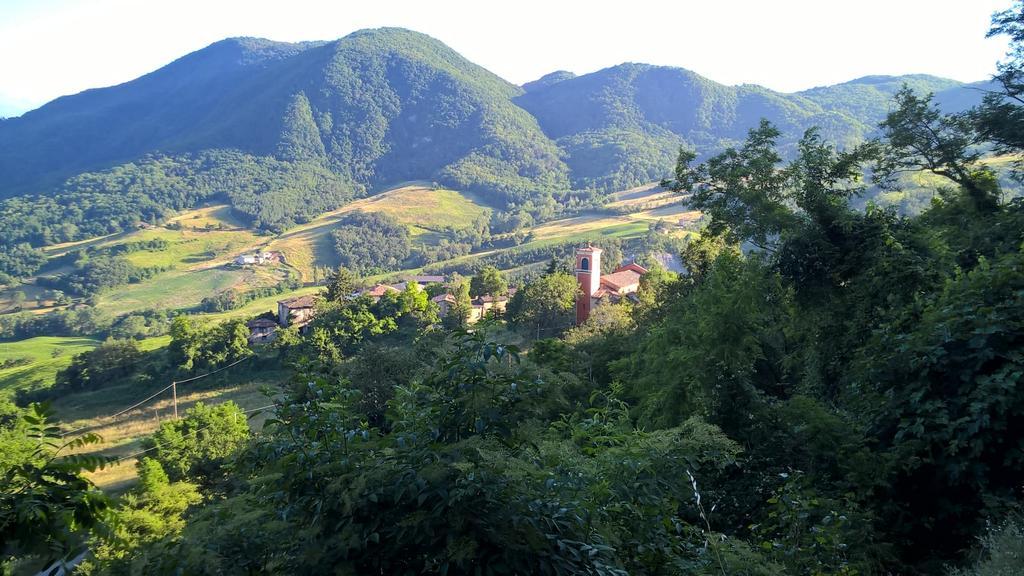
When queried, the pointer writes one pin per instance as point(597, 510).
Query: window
point(585, 264)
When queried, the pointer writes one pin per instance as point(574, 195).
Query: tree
point(741, 189)
point(149, 513)
point(919, 137)
point(1000, 118)
point(458, 311)
point(341, 284)
point(111, 360)
point(545, 306)
point(376, 371)
point(489, 281)
point(371, 241)
point(196, 445)
point(197, 345)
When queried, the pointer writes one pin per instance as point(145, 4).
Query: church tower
point(588, 275)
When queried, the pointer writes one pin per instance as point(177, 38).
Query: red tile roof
point(619, 280)
point(380, 290)
point(634, 267)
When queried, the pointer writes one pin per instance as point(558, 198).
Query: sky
point(49, 48)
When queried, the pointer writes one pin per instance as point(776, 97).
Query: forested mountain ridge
point(622, 125)
point(391, 104)
point(285, 132)
point(371, 99)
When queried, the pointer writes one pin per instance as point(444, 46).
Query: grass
point(174, 290)
point(426, 211)
point(189, 249)
point(123, 436)
point(219, 215)
point(46, 354)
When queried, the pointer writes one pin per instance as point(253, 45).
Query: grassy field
point(45, 356)
point(174, 290)
point(196, 260)
point(122, 437)
point(426, 211)
point(219, 216)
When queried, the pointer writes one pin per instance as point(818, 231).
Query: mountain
point(286, 131)
point(624, 125)
point(377, 106)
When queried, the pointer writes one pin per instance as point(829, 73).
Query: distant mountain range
point(388, 105)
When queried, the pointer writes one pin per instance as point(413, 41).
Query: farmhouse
point(261, 330)
point(623, 282)
point(258, 258)
point(296, 311)
point(444, 303)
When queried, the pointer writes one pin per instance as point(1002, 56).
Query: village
point(595, 288)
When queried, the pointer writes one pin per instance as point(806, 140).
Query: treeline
point(374, 243)
point(232, 299)
point(85, 321)
point(563, 253)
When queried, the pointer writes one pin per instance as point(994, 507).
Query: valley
point(196, 258)
point(363, 306)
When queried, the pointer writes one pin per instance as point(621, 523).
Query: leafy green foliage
point(489, 281)
point(46, 505)
point(950, 384)
point(197, 445)
point(94, 275)
point(545, 306)
point(341, 284)
point(21, 259)
point(150, 513)
point(341, 328)
point(464, 483)
point(108, 362)
point(371, 242)
point(195, 344)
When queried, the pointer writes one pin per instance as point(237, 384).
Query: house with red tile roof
point(379, 290)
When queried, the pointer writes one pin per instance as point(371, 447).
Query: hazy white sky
point(49, 48)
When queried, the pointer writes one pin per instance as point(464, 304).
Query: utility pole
point(174, 393)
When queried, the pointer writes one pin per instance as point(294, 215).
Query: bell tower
point(588, 275)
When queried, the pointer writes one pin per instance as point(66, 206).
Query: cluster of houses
point(258, 259)
point(622, 282)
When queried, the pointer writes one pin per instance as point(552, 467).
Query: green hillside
point(622, 126)
point(284, 133)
